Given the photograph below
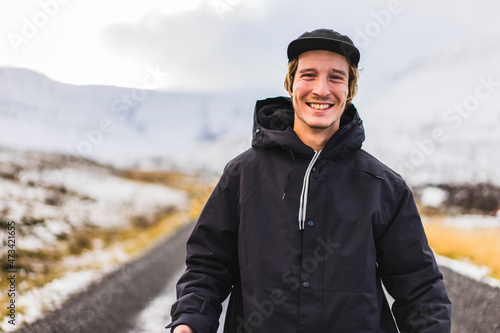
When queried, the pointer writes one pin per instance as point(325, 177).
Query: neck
point(312, 137)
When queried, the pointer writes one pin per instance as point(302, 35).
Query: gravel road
point(115, 304)
point(475, 305)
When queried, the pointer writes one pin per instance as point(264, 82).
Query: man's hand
point(183, 329)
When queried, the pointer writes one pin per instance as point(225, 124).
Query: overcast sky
point(207, 45)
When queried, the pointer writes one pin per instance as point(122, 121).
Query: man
point(303, 227)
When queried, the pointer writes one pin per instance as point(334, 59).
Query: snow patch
point(478, 273)
point(48, 196)
point(50, 296)
point(433, 196)
point(470, 222)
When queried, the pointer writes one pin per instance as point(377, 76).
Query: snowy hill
point(209, 158)
point(110, 123)
point(438, 122)
point(434, 122)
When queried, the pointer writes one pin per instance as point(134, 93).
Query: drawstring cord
point(305, 191)
point(305, 185)
point(354, 168)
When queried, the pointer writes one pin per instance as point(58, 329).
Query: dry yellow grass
point(480, 246)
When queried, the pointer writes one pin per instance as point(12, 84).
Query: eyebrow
point(333, 70)
point(339, 71)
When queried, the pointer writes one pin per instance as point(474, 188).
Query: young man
point(303, 227)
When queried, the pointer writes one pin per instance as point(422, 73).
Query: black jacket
point(321, 274)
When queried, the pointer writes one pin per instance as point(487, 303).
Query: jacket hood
point(273, 127)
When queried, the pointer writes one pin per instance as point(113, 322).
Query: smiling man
point(304, 227)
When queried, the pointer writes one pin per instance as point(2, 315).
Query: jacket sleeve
point(212, 260)
point(409, 271)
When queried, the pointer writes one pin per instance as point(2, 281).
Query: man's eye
point(308, 75)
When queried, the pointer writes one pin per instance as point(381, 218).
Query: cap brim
point(301, 45)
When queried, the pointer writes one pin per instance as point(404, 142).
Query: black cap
point(324, 39)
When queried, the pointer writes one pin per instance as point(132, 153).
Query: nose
point(321, 86)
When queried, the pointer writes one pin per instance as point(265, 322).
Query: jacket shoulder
point(370, 163)
point(244, 159)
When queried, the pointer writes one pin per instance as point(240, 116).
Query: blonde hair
point(353, 78)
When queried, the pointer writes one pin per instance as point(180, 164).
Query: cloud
point(190, 46)
point(204, 49)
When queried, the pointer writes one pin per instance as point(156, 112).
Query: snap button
point(310, 224)
point(306, 284)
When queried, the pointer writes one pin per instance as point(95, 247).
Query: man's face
point(320, 90)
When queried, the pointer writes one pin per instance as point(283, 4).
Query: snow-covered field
point(48, 196)
point(52, 197)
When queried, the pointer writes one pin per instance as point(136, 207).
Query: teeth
point(319, 106)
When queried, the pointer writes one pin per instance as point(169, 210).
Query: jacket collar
point(273, 123)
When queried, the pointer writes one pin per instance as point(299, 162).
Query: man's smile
point(320, 106)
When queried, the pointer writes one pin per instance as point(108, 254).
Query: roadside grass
point(478, 246)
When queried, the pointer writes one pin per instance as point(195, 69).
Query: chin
point(320, 126)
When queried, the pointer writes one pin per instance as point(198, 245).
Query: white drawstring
point(305, 191)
